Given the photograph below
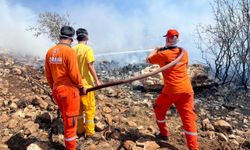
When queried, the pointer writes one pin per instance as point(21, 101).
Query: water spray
point(123, 52)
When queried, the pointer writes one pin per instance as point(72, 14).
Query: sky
point(113, 25)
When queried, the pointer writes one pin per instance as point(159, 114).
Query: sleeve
point(48, 72)
point(157, 58)
point(74, 72)
point(90, 55)
point(186, 57)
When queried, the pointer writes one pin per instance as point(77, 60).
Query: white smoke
point(110, 29)
point(14, 21)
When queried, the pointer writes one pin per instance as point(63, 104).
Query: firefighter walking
point(177, 90)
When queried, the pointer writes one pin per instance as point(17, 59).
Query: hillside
point(124, 119)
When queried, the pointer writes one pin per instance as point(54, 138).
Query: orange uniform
point(177, 90)
point(64, 79)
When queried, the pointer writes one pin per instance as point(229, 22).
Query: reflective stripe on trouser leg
point(88, 102)
point(81, 120)
point(162, 104)
point(70, 139)
point(185, 107)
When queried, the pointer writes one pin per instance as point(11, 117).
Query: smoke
point(117, 26)
point(15, 19)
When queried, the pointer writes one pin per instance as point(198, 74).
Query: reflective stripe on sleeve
point(70, 139)
point(161, 121)
point(190, 133)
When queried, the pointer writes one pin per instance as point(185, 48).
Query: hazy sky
point(117, 25)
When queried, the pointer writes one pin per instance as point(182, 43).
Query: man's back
point(61, 66)
point(85, 55)
point(176, 79)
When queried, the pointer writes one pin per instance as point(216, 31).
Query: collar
point(64, 44)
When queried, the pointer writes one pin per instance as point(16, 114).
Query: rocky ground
point(124, 119)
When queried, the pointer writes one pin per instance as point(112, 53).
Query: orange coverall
point(64, 79)
point(178, 91)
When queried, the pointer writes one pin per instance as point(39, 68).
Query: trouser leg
point(185, 108)
point(162, 104)
point(88, 102)
point(68, 101)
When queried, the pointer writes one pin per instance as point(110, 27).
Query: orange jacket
point(61, 67)
point(176, 79)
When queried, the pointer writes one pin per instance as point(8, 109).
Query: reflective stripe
point(191, 133)
point(89, 121)
point(161, 121)
point(70, 139)
point(80, 117)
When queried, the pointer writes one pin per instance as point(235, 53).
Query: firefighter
point(64, 79)
point(85, 58)
point(177, 90)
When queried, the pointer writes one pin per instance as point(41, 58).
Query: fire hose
point(169, 65)
point(118, 82)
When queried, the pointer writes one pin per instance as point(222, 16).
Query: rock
point(108, 118)
point(34, 146)
point(4, 118)
point(90, 147)
point(123, 120)
point(100, 97)
point(206, 125)
point(99, 126)
point(17, 71)
point(223, 126)
point(231, 136)
point(211, 135)
point(239, 139)
point(6, 132)
point(239, 132)
point(105, 145)
point(246, 144)
point(4, 147)
point(40, 102)
point(13, 105)
point(110, 92)
point(132, 124)
point(245, 121)
point(152, 129)
point(58, 138)
point(129, 145)
point(151, 145)
point(222, 137)
point(235, 142)
point(12, 123)
point(106, 110)
point(31, 127)
point(45, 117)
point(57, 126)
point(116, 135)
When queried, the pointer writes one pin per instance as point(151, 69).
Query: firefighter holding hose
point(177, 90)
point(64, 79)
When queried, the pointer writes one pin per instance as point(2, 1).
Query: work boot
point(160, 137)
